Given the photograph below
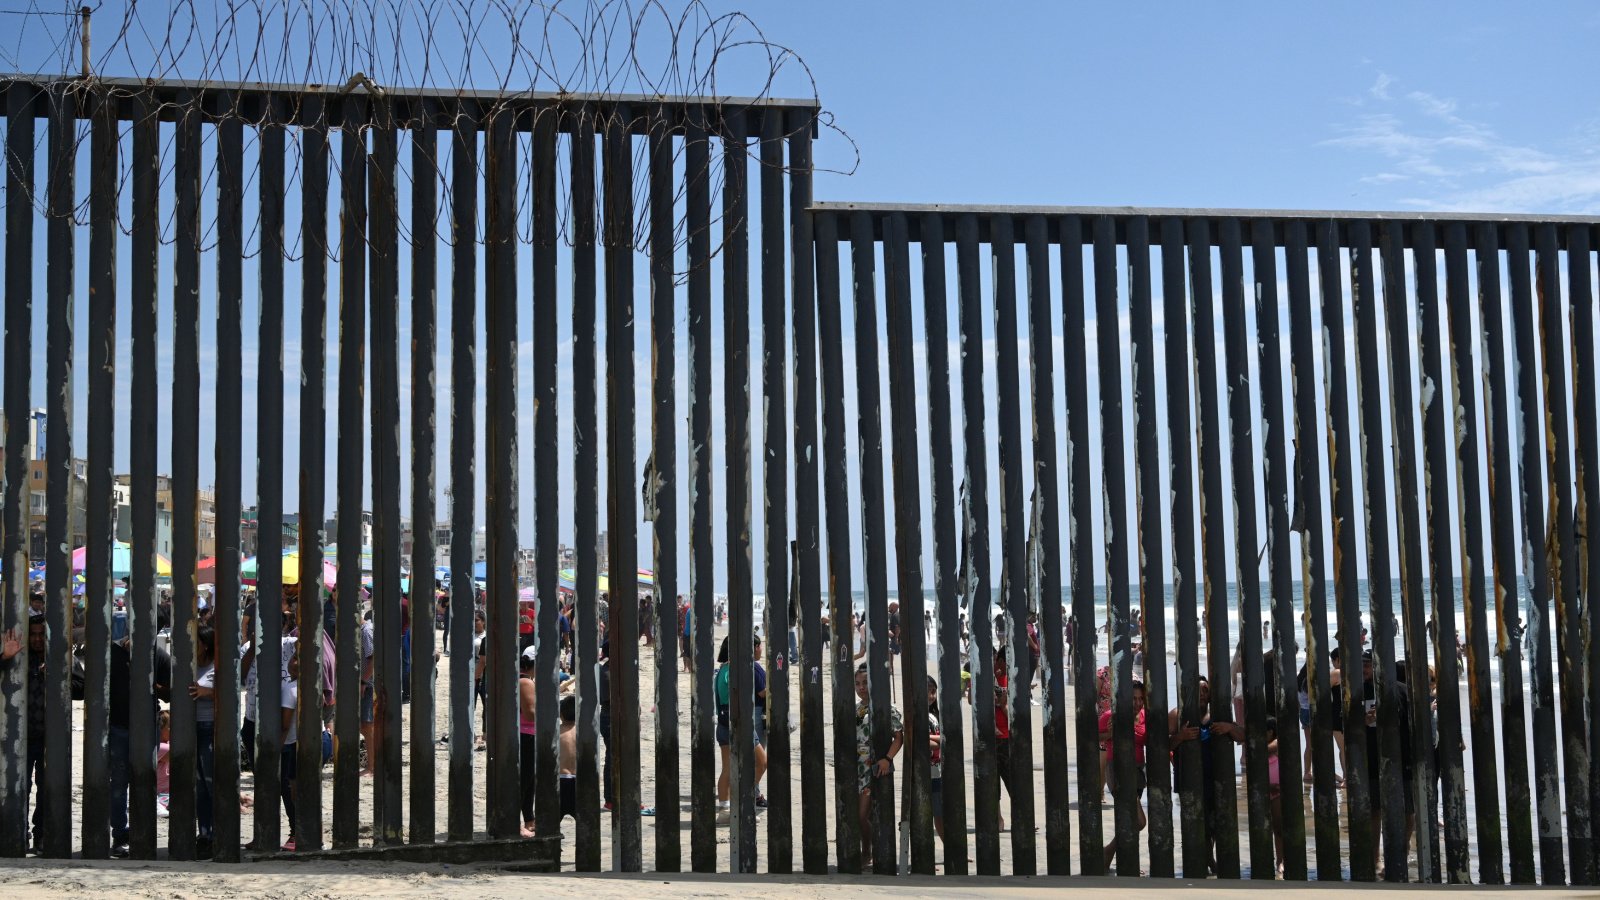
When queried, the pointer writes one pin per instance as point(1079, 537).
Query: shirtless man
point(568, 759)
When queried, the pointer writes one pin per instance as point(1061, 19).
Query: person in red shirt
point(1002, 721)
point(1138, 760)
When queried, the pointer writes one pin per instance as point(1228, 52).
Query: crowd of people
point(1214, 736)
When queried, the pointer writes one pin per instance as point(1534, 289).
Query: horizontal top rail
point(949, 213)
point(250, 99)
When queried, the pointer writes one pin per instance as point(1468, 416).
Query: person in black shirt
point(1407, 760)
point(119, 706)
point(11, 654)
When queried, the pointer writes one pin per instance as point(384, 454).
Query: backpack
point(721, 685)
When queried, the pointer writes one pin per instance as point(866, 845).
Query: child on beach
point(163, 763)
point(935, 757)
point(1275, 790)
point(868, 768)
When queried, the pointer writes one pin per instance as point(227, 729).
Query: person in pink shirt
point(1138, 760)
point(163, 762)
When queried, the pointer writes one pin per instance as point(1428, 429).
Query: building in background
point(331, 536)
point(38, 507)
point(250, 532)
point(206, 533)
point(122, 492)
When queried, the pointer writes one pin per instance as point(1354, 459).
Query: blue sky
point(1477, 107)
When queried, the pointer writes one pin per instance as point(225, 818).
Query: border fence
point(1404, 402)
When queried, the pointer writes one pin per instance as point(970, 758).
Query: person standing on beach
point(527, 736)
point(118, 709)
point(1206, 732)
point(11, 655)
point(1136, 789)
point(289, 754)
point(204, 692)
point(870, 770)
point(686, 633)
point(368, 695)
point(723, 691)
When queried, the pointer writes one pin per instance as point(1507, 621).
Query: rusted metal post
point(1441, 583)
point(1390, 791)
point(936, 312)
point(1500, 478)
point(1343, 489)
point(141, 598)
point(98, 531)
point(1541, 561)
point(1275, 483)
point(1417, 766)
point(918, 802)
point(621, 494)
point(1222, 825)
point(348, 664)
point(1560, 549)
point(183, 838)
point(1247, 557)
point(847, 824)
point(547, 502)
point(586, 497)
point(775, 498)
point(14, 759)
point(383, 250)
point(500, 462)
point(661, 492)
point(1580, 286)
point(1310, 512)
point(424, 429)
point(307, 829)
point(1152, 619)
point(268, 830)
point(56, 791)
point(808, 538)
point(702, 709)
point(1113, 486)
point(985, 775)
point(1046, 551)
point(1474, 568)
point(736, 406)
point(1014, 599)
point(863, 259)
point(463, 458)
point(1185, 547)
point(229, 475)
point(1080, 552)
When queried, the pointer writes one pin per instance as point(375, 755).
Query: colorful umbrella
point(291, 570)
point(121, 561)
point(331, 554)
point(569, 580)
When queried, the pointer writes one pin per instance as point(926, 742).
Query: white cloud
point(1450, 161)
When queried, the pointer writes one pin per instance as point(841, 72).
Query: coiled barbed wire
point(584, 51)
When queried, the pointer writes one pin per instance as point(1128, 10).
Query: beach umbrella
point(291, 570)
point(569, 580)
point(331, 554)
point(121, 561)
